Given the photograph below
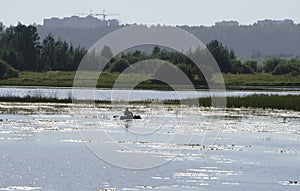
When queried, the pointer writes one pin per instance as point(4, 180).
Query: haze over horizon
point(192, 12)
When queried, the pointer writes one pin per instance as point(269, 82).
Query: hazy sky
point(190, 12)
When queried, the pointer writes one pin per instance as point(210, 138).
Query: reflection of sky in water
point(257, 150)
point(63, 93)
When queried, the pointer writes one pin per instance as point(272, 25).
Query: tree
point(7, 71)
point(221, 55)
point(187, 70)
point(1, 27)
point(79, 53)
point(59, 55)
point(246, 69)
point(237, 67)
point(20, 45)
point(156, 52)
point(119, 65)
point(291, 66)
point(106, 52)
point(252, 63)
point(26, 42)
point(3, 68)
point(48, 53)
point(270, 64)
point(20, 48)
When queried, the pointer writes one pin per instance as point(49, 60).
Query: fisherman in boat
point(128, 114)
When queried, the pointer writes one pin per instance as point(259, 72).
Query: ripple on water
point(204, 175)
point(261, 127)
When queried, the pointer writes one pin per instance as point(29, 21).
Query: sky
point(169, 12)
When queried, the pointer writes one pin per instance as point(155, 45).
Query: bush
point(238, 68)
point(252, 63)
point(235, 66)
point(3, 68)
point(119, 65)
point(6, 71)
point(291, 66)
point(270, 64)
point(246, 69)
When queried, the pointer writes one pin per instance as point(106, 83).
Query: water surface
point(41, 149)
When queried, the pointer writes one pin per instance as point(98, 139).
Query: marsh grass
point(289, 102)
point(261, 79)
point(30, 99)
point(107, 80)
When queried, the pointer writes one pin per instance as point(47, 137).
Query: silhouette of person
point(127, 113)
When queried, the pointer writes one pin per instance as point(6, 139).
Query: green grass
point(53, 78)
point(261, 79)
point(66, 79)
point(107, 80)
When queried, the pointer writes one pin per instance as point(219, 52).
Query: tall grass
point(32, 99)
point(261, 79)
point(289, 102)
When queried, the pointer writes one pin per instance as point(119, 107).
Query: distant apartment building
point(79, 22)
point(268, 22)
point(226, 23)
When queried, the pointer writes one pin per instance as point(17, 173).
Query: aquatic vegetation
point(288, 102)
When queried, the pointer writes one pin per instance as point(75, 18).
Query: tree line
point(225, 57)
point(21, 49)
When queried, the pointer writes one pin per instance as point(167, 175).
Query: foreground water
point(42, 148)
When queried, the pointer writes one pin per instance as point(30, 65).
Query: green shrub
point(3, 68)
point(292, 66)
point(6, 71)
point(270, 64)
point(246, 69)
point(119, 65)
point(252, 63)
point(238, 68)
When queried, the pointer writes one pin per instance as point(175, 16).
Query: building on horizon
point(226, 24)
point(79, 22)
point(267, 22)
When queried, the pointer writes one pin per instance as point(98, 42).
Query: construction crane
point(103, 14)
